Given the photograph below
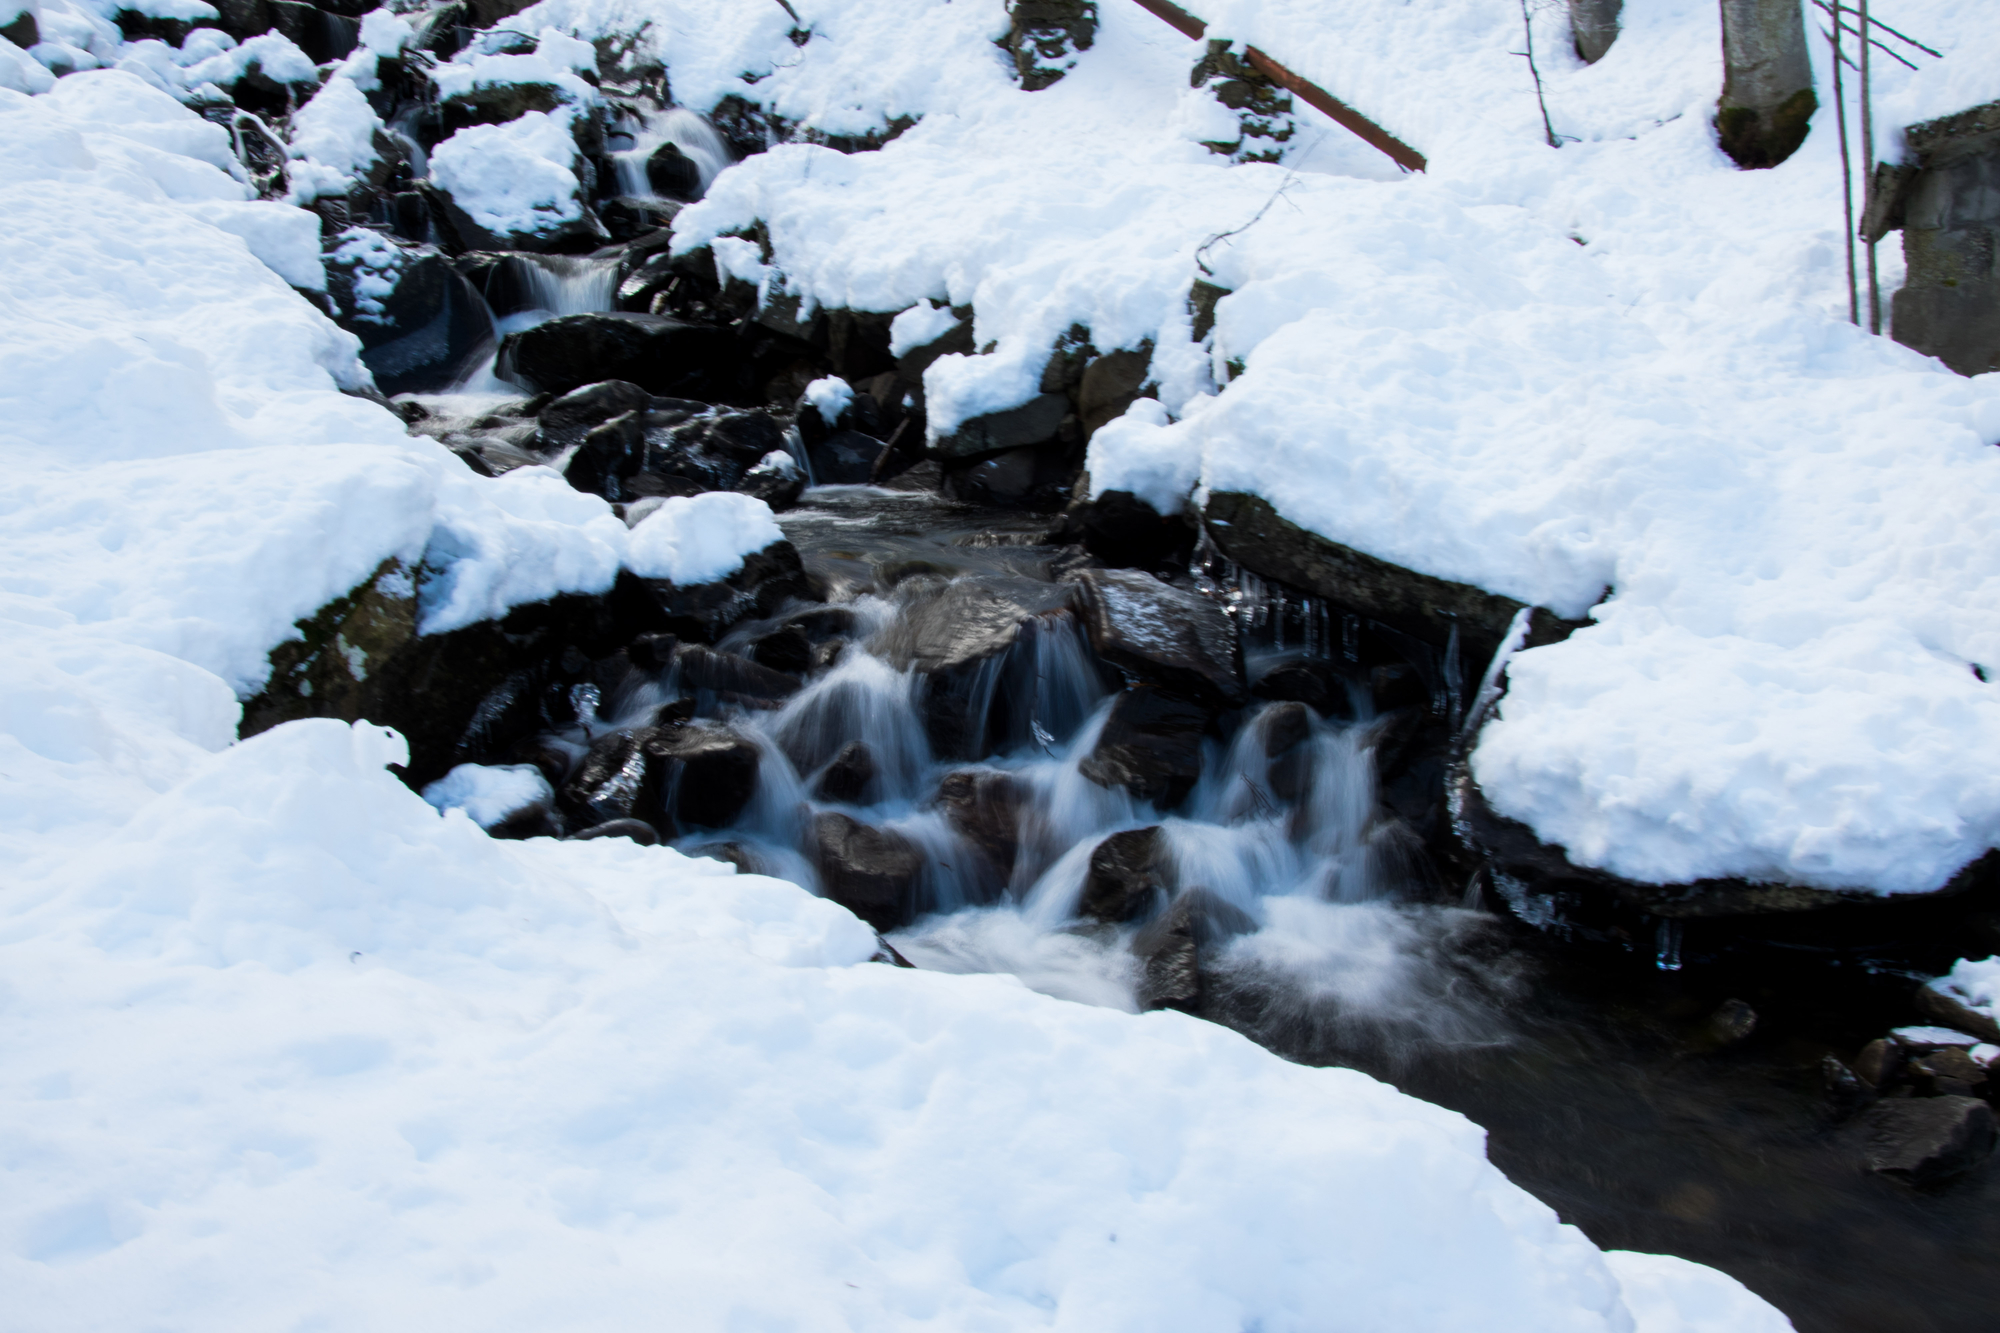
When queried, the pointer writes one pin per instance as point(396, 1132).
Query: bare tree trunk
point(1767, 95)
point(1593, 25)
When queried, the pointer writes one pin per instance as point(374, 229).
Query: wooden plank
point(1310, 93)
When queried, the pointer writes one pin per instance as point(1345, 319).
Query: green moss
point(1755, 141)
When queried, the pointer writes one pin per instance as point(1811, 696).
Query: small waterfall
point(569, 284)
point(697, 140)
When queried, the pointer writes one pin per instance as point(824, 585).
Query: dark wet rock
point(1130, 873)
point(1161, 635)
point(1125, 532)
point(732, 676)
point(614, 781)
point(23, 31)
point(885, 952)
point(425, 334)
point(467, 696)
point(1171, 950)
point(1036, 421)
point(663, 355)
point(1845, 1092)
point(984, 808)
point(1925, 1140)
point(1880, 1063)
point(1025, 478)
point(787, 648)
point(628, 218)
point(850, 778)
point(1317, 683)
point(496, 104)
point(567, 419)
point(1732, 1021)
point(714, 450)
point(1949, 1071)
point(730, 853)
point(778, 484)
point(610, 456)
point(706, 773)
point(1110, 384)
point(1940, 1004)
point(846, 458)
point(872, 872)
point(1151, 746)
point(638, 830)
point(1250, 532)
point(955, 633)
point(703, 612)
point(673, 174)
point(652, 652)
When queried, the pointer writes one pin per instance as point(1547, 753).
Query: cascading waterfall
point(697, 140)
point(569, 284)
point(1300, 849)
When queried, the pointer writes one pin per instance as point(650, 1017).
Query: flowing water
point(697, 140)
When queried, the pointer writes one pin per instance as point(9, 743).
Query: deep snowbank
point(1619, 365)
point(281, 1045)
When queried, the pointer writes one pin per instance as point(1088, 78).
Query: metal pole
point(1846, 166)
point(1868, 173)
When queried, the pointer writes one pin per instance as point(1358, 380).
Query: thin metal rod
point(1868, 177)
point(1846, 167)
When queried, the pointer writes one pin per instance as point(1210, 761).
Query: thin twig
point(1528, 26)
point(1878, 23)
point(1883, 47)
point(1841, 57)
point(1284, 185)
point(1868, 168)
point(1846, 171)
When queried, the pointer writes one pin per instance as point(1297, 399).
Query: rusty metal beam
point(1311, 94)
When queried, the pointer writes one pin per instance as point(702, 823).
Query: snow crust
point(1613, 378)
point(489, 793)
point(1974, 983)
point(693, 539)
point(515, 177)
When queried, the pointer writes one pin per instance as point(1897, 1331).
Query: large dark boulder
point(673, 174)
point(1924, 1140)
point(1159, 634)
point(1151, 746)
point(872, 872)
point(1319, 684)
point(665, 356)
point(1125, 532)
point(850, 778)
point(1130, 873)
point(425, 335)
point(706, 774)
point(1036, 421)
point(845, 458)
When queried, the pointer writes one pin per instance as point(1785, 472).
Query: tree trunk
point(1593, 25)
point(1767, 95)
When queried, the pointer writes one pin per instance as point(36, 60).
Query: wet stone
point(1952, 1013)
point(735, 678)
point(1924, 1140)
point(1879, 1062)
point(703, 612)
point(1151, 746)
point(730, 853)
point(1125, 532)
point(1732, 1021)
point(872, 872)
point(638, 830)
point(662, 355)
point(846, 458)
point(1281, 727)
point(564, 421)
point(1129, 874)
point(983, 807)
point(613, 781)
point(850, 778)
point(787, 648)
point(1316, 683)
point(1171, 949)
point(707, 773)
point(1161, 634)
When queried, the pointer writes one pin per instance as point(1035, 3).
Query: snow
point(1927, 1035)
point(512, 178)
point(701, 538)
point(1583, 377)
point(829, 397)
point(282, 1044)
point(272, 52)
point(489, 793)
point(1974, 983)
point(335, 132)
